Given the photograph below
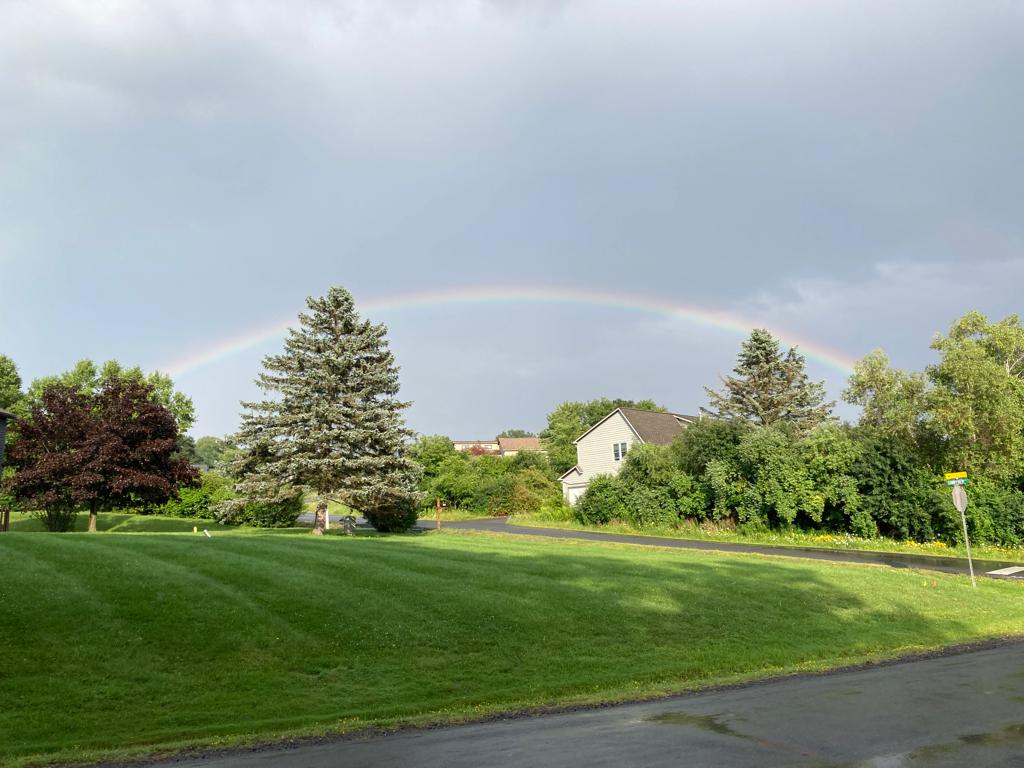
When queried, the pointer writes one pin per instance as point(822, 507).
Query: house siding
point(595, 453)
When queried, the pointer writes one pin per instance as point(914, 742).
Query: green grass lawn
point(123, 644)
point(125, 522)
point(792, 538)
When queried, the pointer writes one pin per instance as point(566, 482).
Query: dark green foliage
point(602, 502)
point(280, 512)
point(214, 452)
point(57, 519)
point(517, 433)
point(779, 460)
point(650, 507)
point(332, 422)
point(201, 501)
point(775, 485)
point(895, 490)
point(647, 466)
point(995, 515)
point(396, 517)
point(484, 485)
point(771, 387)
point(708, 440)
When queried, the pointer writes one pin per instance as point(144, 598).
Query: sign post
point(958, 480)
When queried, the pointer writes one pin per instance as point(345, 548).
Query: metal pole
point(967, 542)
point(439, 513)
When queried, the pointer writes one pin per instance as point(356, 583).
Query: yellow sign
point(955, 475)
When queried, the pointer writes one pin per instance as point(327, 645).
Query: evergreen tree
point(771, 387)
point(334, 425)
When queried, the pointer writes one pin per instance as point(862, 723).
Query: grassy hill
point(122, 644)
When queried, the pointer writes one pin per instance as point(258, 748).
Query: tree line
point(331, 427)
point(771, 454)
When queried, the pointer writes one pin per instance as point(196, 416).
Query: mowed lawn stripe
point(132, 641)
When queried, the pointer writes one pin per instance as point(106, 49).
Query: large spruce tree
point(770, 387)
point(332, 423)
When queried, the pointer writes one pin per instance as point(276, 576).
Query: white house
point(601, 449)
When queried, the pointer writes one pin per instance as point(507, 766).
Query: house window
point(619, 450)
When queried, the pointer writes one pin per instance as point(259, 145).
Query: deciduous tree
point(10, 383)
point(88, 377)
point(95, 451)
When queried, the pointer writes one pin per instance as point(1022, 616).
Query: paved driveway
point(963, 710)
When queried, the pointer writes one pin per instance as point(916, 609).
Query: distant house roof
point(519, 443)
point(650, 426)
point(6, 415)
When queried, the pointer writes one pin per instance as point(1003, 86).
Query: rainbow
point(487, 295)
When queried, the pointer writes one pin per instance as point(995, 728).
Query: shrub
point(602, 502)
point(200, 501)
point(648, 466)
point(525, 493)
point(57, 520)
point(896, 491)
point(688, 495)
point(706, 441)
point(650, 507)
point(995, 514)
point(280, 512)
point(395, 517)
point(556, 510)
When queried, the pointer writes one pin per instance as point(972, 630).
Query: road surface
point(892, 559)
point(964, 710)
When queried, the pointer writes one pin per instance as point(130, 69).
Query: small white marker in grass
point(206, 533)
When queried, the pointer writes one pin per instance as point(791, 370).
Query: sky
point(543, 201)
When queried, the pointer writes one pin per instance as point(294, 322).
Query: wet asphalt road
point(964, 710)
point(895, 560)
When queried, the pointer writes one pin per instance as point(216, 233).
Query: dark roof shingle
point(655, 427)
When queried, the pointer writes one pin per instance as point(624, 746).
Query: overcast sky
point(174, 174)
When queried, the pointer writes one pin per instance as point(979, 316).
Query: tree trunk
point(92, 520)
point(320, 522)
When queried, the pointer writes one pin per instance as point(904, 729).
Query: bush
point(525, 493)
point(57, 520)
point(200, 501)
point(602, 502)
point(556, 510)
point(396, 517)
point(650, 507)
point(897, 492)
point(995, 514)
point(281, 512)
point(706, 441)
